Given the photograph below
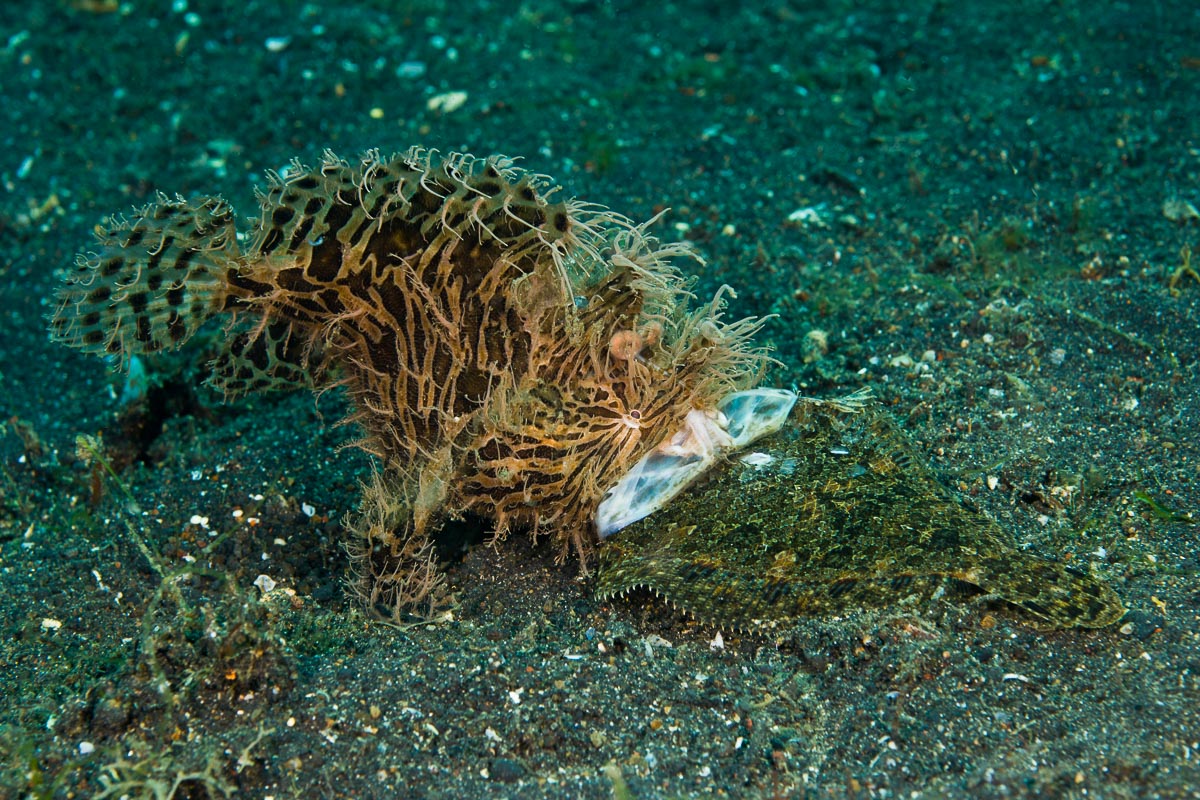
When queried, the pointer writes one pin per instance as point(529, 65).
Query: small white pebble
point(1177, 209)
point(992, 482)
point(757, 459)
point(806, 217)
point(277, 44)
point(51, 624)
point(265, 583)
point(199, 520)
point(657, 641)
point(86, 748)
point(307, 509)
point(410, 70)
point(717, 643)
point(446, 102)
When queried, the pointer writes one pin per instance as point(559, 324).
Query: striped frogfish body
point(505, 354)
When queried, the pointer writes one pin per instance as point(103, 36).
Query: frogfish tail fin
point(153, 280)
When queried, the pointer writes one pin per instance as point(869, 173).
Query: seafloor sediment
point(985, 213)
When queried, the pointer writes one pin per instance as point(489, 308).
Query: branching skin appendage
point(506, 355)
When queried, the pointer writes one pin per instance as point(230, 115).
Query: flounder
point(835, 510)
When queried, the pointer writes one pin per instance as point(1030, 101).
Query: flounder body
point(834, 511)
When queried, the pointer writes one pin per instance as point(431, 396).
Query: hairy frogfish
point(506, 355)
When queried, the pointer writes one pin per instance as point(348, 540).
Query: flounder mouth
point(739, 419)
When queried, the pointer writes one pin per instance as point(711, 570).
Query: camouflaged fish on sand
point(834, 512)
point(512, 357)
point(506, 355)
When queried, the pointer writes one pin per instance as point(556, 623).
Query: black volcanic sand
point(980, 211)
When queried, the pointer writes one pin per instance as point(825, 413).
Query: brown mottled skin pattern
point(505, 355)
